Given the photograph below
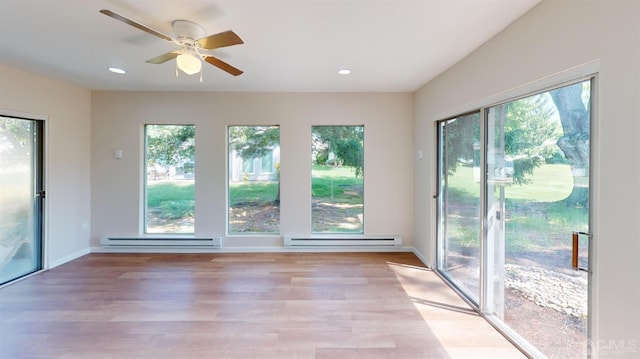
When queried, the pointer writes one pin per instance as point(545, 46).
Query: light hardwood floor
point(286, 305)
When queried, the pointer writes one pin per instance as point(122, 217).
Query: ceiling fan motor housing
point(187, 32)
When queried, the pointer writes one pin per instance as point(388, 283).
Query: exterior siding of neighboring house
point(254, 169)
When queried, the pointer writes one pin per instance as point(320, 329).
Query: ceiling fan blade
point(223, 65)
point(223, 39)
point(136, 25)
point(164, 58)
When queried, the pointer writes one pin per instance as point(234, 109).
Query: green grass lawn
point(337, 200)
point(337, 188)
point(171, 200)
point(176, 199)
point(252, 192)
point(549, 183)
point(336, 184)
point(536, 213)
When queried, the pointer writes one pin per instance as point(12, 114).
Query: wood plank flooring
point(268, 305)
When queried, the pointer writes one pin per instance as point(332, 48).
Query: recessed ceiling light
point(344, 71)
point(116, 70)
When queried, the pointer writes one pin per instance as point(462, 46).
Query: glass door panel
point(20, 198)
point(459, 202)
point(537, 195)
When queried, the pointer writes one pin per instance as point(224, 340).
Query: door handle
point(575, 249)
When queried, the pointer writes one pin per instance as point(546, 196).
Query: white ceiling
point(290, 45)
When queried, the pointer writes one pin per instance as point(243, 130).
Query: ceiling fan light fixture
point(189, 64)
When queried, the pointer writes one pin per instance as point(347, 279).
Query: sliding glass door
point(532, 264)
point(459, 202)
point(21, 197)
point(537, 197)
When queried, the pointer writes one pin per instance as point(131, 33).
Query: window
point(170, 179)
point(266, 162)
point(254, 179)
point(337, 179)
point(247, 165)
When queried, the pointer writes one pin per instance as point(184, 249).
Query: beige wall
point(118, 119)
point(546, 45)
point(68, 124)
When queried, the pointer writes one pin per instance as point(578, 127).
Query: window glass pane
point(254, 185)
point(459, 201)
point(20, 200)
point(170, 180)
point(337, 179)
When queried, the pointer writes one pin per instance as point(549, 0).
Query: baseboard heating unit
point(377, 241)
point(161, 241)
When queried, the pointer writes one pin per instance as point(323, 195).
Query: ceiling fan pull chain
point(200, 76)
point(176, 69)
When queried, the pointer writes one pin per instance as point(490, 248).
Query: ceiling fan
point(193, 43)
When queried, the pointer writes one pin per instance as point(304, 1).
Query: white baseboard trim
point(422, 258)
point(69, 258)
